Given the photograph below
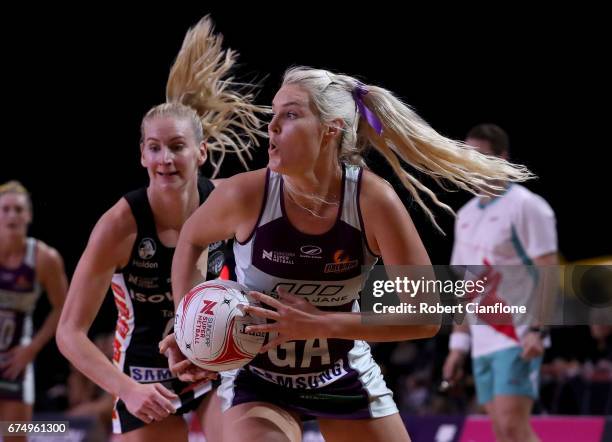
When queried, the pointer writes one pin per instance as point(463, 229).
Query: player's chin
point(175, 183)
point(283, 167)
point(275, 164)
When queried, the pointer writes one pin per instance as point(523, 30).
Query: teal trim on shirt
point(520, 251)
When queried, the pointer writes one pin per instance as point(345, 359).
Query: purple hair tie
point(359, 91)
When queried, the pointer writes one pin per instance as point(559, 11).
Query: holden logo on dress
point(146, 248)
point(311, 250)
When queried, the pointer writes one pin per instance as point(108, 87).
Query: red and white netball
point(210, 328)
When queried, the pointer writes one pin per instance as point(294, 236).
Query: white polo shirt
point(506, 233)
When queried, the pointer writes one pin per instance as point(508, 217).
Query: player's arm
point(230, 209)
point(109, 248)
point(546, 292)
point(52, 277)
point(390, 233)
point(227, 212)
point(458, 348)
point(535, 229)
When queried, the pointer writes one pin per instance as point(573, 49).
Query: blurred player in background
point(27, 267)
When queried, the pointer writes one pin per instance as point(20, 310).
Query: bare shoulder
point(113, 236)
point(243, 190)
point(47, 256)
point(50, 272)
point(389, 228)
point(117, 223)
point(217, 181)
point(243, 184)
point(380, 208)
point(236, 201)
point(377, 193)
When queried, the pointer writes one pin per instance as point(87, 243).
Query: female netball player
point(309, 227)
point(27, 267)
point(132, 244)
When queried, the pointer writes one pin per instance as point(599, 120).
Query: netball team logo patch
point(146, 248)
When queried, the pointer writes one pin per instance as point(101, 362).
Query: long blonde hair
point(405, 137)
point(221, 111)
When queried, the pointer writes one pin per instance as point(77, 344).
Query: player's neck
point(315, 190)
point(171, 209)
point(11, 246)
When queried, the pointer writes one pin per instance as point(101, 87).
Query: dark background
point(78, 81)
